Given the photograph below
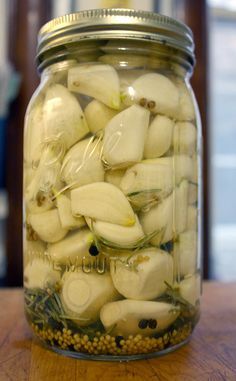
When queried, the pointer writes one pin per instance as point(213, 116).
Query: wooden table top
point(210, 355)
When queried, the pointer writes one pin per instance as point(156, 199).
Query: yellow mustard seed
point(109, 344)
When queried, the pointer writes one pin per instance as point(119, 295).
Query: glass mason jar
point(111, 187)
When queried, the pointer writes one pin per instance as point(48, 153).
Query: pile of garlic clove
point(111, 162)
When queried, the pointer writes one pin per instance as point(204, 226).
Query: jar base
point(120, 358)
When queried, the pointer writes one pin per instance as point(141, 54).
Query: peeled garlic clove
point(124, 317)
point(104, 202)
point(47, 225)
point(40, 273)
point(184, 138)
point(33, 132)
point(71, 249)
point(192, 218)
point(117, 235)
point(149, 175)
point(192, 193)
point(98, 115)
point(190, 288)
point(159, 137)
point(161, 174)
point(186, 110)
point(160, 219)
point(169, 218)
point(125, 135)
point(156, 92)
point(63, 117)
point(185, 253)
point(148, 182)
point(68, 221)
point(45, 174)
point(82, 164)
point(114, 176)
point(145, 275)
point(98, 81)
point(83, 295)
point(45, 178)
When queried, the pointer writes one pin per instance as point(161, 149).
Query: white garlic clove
point(68, 221)
point(124, 137)
point(82, 164)
point(186, 111)
point(184, 138)
point(47, 225)
point(169, 218)
point(149, 181)
point(33, 133)
point(190, 288)
point(98, 115)
point(72, 248)
point(104, 202)
point(45, 179)
point(185, 253)
point(149, 175)
point(125, 317)
point(83, 295)
point(40, 273)
point(143, 276)
point(156, 92)
point(159, 137)
point(63, 118)
point(98, 81)
point(116, 235)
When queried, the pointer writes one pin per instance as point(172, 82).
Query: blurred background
point(214, 25)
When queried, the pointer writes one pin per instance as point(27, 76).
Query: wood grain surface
point(210, 355)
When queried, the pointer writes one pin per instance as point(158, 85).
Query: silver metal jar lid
point(100, 24)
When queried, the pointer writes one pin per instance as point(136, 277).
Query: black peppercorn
point(118, 340)
point(143, 324)
point(151, 105)
point(93, 250)
point(143, 102)
point(168, 246)
point(152, 323)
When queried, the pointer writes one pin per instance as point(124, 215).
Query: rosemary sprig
point(44, 308)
